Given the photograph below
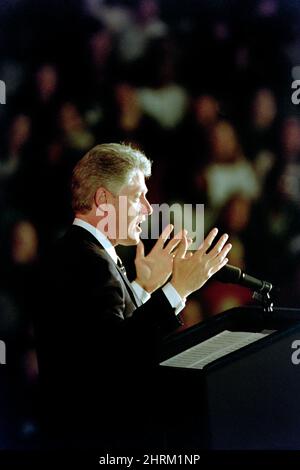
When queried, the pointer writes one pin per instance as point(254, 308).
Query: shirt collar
point(109, 248)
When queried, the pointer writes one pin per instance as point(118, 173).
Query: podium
point(248, 399)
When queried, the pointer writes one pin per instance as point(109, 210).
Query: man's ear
point(100, 196)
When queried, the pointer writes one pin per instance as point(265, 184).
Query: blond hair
point(107, 165)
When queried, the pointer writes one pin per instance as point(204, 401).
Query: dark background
point(203, 87)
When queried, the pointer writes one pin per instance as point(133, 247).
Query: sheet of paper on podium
point(213, 348)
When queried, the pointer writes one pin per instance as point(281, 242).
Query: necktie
point(121, 266)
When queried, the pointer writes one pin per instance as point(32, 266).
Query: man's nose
point(147, 208)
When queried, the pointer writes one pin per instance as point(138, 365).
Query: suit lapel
point(131, 291)
point(97, 245)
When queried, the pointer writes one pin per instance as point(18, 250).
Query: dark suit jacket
point(97, 345)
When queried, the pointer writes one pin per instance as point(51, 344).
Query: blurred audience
point(289, 182)
point(228, 171)
point(234, 219)
point(199, 88)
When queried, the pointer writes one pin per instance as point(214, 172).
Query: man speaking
point(98, 334)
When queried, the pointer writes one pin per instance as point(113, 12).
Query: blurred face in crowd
point(70, 119)
point(264, 108)
point(206, 110)
point(224, 143)
point(237, 214)
point(290, 137)
point(46, 81)
point(24, 243)
point(126, 95)
point(20, 131)
point(101, 47)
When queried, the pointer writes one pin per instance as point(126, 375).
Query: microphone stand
point(264, 298)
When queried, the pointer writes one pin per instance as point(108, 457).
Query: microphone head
point(229, 273)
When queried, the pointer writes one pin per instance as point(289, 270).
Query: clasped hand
point(154, 270)
point(189, 270)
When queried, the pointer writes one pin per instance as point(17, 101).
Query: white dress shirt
point(170, 292)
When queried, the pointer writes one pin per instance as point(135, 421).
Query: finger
point(189, 254)
point(181, 250)
point(219, 246)
point(140, 250)
point(176, 240)
point(163, 236)
point(220, 258)
point(173, 243)
point(208, 240)
point(217, 268)
point(223, 253)
point(179, 234)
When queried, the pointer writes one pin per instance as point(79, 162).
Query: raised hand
point(154, 269)
point(191, 272)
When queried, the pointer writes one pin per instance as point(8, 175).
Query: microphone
point(234, 275)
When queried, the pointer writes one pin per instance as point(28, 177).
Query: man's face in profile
point(132, 209)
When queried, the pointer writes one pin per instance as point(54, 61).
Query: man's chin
point(131, 240)
point(135, 239)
